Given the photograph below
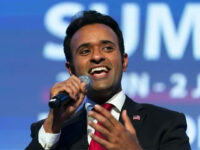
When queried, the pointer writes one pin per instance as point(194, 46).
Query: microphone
point(64, 97)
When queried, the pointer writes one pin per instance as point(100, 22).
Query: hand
point(117, 136)
point(76, 90)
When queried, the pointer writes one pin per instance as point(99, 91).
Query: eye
point(108, 48)
point(84, 52)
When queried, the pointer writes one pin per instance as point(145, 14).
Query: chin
point(101, 87)
point(105, 89)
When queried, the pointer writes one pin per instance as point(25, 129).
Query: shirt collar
point(117, 100)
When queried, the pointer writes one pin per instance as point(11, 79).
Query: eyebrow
point(83, 45)
point(102, 42)
point(107, 42)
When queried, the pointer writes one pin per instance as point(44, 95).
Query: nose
point(97, 56)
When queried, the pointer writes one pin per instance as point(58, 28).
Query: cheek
point(118, 63)
point(118, 69)
point(80, 66)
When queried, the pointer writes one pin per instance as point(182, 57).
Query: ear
point(125, 62)
point(68, 66)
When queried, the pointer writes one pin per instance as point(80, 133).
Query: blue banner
point(162, 39)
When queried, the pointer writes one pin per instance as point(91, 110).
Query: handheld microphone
point(64, 97)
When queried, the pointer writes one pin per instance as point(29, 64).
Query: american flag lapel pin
point(136, 117)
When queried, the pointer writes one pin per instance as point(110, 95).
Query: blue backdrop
point(162, 39)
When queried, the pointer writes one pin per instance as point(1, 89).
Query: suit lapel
point(135, 113)
point(76, 129)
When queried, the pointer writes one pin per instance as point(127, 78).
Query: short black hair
point(90, 17)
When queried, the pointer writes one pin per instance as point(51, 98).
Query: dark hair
point(90, 17)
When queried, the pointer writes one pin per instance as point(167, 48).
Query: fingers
point(108, 123)
point(99, 128)
point(116, 136)
point(107, 115)
point(127, 123)
point(73, 86)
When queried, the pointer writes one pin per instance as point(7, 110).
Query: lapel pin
point(136, 117)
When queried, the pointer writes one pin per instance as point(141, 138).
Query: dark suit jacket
point(157, 129)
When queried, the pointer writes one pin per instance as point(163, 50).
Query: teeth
point(99, 69)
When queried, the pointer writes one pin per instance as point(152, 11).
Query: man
point(94, 47)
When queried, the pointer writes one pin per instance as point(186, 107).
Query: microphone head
point(87, 80)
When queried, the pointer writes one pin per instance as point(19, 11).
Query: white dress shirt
point(48, 140)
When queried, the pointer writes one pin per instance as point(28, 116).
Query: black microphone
point(64, 97)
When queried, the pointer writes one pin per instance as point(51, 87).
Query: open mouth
point(99, 72)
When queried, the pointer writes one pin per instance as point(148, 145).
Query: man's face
point(95, 53)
